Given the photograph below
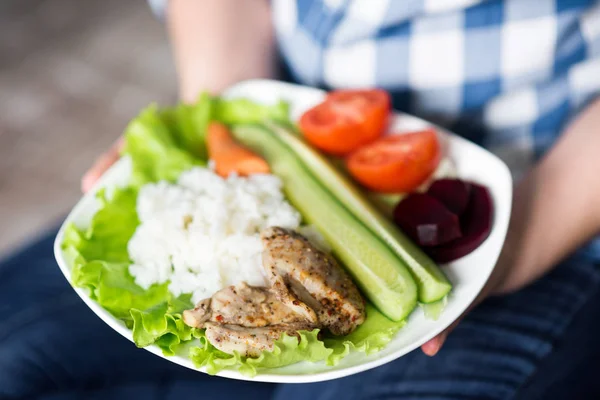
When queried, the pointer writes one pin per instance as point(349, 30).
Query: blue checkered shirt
point(507, 74)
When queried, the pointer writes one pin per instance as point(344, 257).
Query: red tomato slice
point(396, 163)
point(346, 120)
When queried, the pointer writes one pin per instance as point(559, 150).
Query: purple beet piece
point(426, 220)
point(476, 225)
point(453, 193)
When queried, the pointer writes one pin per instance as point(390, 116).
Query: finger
point(434, 345)
point(104, 162)
point(100, 166)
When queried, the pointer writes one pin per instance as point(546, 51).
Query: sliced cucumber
point(383, 278)
point(431, 282)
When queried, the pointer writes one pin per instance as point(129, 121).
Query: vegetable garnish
point(453, 193)
point(396, 163)
point(346, 120)
point(476, 223)
point(449, 221)
point(431, 283)
point(427, 220)
point(383, 277)
point(229, 156)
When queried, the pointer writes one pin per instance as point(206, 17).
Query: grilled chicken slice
point(198, 315)
point(248, 341)
point(246, 319)
point(306, 279)
point(245, 306)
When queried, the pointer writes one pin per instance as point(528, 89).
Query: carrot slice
point(229, 156)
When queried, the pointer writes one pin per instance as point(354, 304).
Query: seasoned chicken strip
point(248, 341)
point(245, 319)
point(198, 315)
point(246, 306)
point(306, 278)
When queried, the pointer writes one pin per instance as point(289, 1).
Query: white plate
point(467, 274)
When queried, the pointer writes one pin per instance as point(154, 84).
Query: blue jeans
point(540, 343)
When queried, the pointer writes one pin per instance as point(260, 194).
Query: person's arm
point(215, 44)
point(555, 211)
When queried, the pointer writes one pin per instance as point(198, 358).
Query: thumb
point(102, 163)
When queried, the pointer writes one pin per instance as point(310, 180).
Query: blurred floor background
point(72, 74)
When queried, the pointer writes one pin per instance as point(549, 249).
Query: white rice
point(202, 233)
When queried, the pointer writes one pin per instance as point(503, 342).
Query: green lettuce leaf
point(188, 122)
point(162, 143)
point(100, 263)
point(370, 337)
point(98, 255)
point(154, 150)
point(162, 324)
point(287, 350)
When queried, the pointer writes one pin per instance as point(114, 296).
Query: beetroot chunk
point(453, 193)
point(476, 225)
point(426, 220)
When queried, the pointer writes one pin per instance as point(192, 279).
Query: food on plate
point(386, 202)
point(245, 305)
point(453, 193)
point(237, 244)
point(396, 163)
point(346, 120)
point(246, 319)
point(476, 223)
point(449, 221)
point(308, 290)
point(248, 342)
point(431, 283)
point(382, 276)
point(426, 220)
point(228, 156)
point(433, 310)
point(202, 232)
point(305, 277)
